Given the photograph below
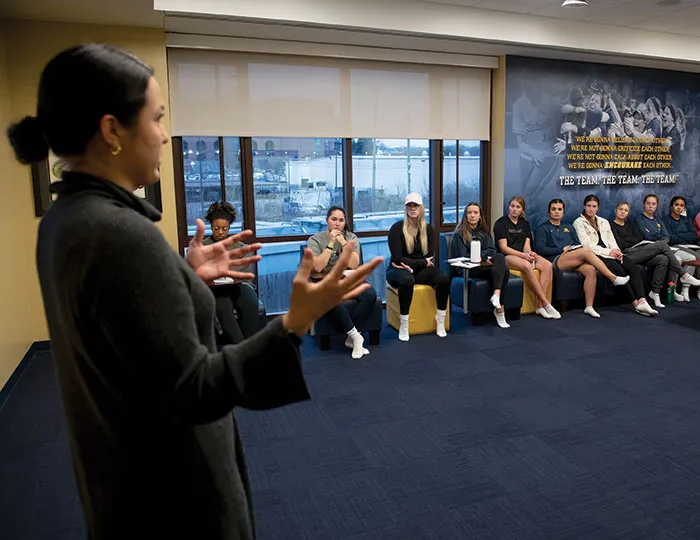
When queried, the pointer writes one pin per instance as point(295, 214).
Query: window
point(276, 270)
point(295, 181)
point(384, 171)
point(201, 165)
point(461, 177)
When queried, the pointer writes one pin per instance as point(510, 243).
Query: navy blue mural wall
point(576, 128)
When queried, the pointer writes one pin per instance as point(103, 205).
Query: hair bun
point(28, 140)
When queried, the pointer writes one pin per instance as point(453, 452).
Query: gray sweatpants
point(661, 258)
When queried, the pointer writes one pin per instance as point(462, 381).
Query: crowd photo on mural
point(552, 105)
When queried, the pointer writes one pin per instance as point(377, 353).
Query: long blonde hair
point(410, 232)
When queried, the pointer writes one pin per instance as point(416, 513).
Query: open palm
point(217, 260)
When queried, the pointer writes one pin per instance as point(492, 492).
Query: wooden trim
point(347, 182)
point(222, 169)
point(180, 197)
point(248, 194)
point(485, 181)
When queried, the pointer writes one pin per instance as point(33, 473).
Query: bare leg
point(545, 268)
point(571, 260)
point(589, 282)
point(521, 265)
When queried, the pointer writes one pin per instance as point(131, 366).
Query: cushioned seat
point(479, 290)
point(529, 298)
point(324, 330)
point(421, 315)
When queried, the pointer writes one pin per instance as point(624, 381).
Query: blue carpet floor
point(573, 429)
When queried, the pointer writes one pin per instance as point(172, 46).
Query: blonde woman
point(413, 262)
point(513, 237)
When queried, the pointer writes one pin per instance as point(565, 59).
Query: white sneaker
point(552, 312)
point(657, 299)
point(501, 319)
point(543, 313)
point(592, 312)
point(690, 280)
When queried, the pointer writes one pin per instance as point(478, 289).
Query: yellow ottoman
point(421, 316)
point(529, 298)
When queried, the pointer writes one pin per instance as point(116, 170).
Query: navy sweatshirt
point(652, 229)
point(147, 397)
point(681, 231)
point(550, 239)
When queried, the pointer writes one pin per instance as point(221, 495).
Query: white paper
point(458, 259)
point(460, 264)
point(223, 281)
point(575, 246)
point(689, 246)
point(642, 243)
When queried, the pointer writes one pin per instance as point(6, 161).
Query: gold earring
point(116, 150)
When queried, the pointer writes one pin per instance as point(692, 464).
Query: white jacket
point(588, 236)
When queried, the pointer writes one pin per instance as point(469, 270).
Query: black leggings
point(404, 281)
point(238, 299)
point(345, 317)
point(498, 274)
point(628, 268)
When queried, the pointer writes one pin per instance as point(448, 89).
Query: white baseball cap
point(413, 198)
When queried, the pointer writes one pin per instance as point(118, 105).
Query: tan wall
point(25, 47)
point(498, 138)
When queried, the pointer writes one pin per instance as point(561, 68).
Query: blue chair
point(324, 330)
point(479, 290)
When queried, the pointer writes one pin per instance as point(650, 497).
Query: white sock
point(543, 313)
point(685, 291)
point(619, 281)
point(356, 342)
point(403, 327)
point(678, 297)
point(549, 308)
point(645, 309)
point(440, 320)
point(501, 319)
point(592, 312)
point(657, 299)
point(496, 301)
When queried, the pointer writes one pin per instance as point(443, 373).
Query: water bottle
point(671, 291)
point(476, 252)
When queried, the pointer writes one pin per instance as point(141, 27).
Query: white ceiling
point(675, 16)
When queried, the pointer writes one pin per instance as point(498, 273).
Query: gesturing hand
point(216, 260)
point(311, 300)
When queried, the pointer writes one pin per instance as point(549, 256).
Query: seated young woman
point(413, 263)
point(512, 233)
point(236, 298)
point(326, 247)
point(657, 254)
point(558, 242)
point(681, 231)
point(473, 227)
point(595, 233)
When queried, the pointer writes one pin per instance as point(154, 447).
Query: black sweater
point(147, 398)
point(400, 254)
point(626, 236)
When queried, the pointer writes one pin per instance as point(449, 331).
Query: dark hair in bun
point(77, 88)
point(28, 141)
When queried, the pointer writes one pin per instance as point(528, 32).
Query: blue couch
point(324, 330)
point(479, 290)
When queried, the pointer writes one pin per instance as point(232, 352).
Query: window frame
point(436, 203)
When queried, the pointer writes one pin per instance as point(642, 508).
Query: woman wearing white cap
point(412, 262)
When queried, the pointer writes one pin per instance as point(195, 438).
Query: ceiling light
point(574, 3)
